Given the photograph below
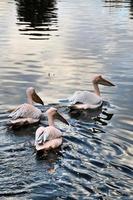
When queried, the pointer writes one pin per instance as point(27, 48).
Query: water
point(57, 47)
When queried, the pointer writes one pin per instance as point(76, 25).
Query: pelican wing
point(47, 138)
point(46, 133)
point(26, 111)
point(51, 144)
point(53, 132)
point(86, 97)
point(21, 122)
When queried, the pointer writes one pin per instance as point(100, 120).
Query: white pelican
point(89, 100)
point(26, 113)
point(47, 138)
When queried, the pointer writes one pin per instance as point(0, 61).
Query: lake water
point(57, 47)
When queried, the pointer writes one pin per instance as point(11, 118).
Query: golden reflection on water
point(79, 49)
point(43, 58)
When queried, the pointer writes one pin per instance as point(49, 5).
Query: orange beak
point(37, 99)
point(105, 82)
point(61, 118)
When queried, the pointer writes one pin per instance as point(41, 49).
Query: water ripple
point(37, 20)
point(57, 47)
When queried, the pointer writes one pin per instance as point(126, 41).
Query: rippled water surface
point(57, 47)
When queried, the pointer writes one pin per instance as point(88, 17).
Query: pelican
point(26, 113)
point(47, 138)
point(88, 100)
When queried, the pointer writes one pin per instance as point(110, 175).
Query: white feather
point(26, 111)
point(86, 97)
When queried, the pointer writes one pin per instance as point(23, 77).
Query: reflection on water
point(131, 9)
point(37, 18)
point(121, 4)
point(95, 161)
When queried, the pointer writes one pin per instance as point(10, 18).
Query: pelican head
point(102, 81)
point(32, 96)
point(53, 113)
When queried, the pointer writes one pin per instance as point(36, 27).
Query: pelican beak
point(61, 118)
point(105, 82)
point(37, 99)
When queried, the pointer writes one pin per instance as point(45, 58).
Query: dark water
point(57, 47)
